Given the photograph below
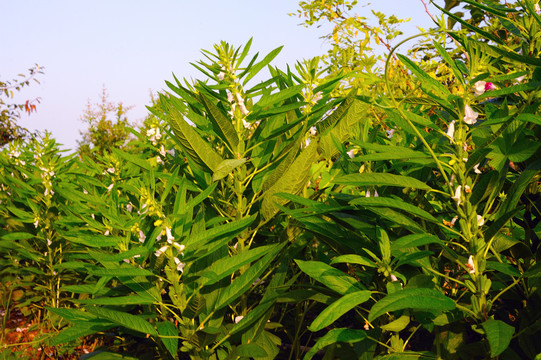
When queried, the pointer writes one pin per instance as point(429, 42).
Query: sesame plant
point(181, 250)
point(445, 208)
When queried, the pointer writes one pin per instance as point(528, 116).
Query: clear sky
point(132, 47)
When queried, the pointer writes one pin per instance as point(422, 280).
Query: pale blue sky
point(132, 47)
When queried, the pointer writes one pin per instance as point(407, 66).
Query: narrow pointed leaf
point(416, 298)
point(260, 65)
point(393, 203)
point(226, 167)
point(336, 335)
point(323, 127)
point(129, 321)
point(292, 181)
point(243, 282)
point(338, 308)
point(222, 125)
point(194, 146)
point(381, 179)
point(333, 278)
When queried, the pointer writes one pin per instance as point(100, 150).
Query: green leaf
point(339, 308)
point(243, 282)
point(254, 315)
point(129, 321)
point(520, 185)
point(333, 278)
point(167, 332)
point(250, 351)
point(323, 127)
point(499, 223)
point(18, 236)
point(469, 26)
point(393, 203)
point(428, 83)
point(353, 259)
point(119, 300)
point(534, 119)
point(416, 298)
point(226, 167)
point(445, 56)
point(227, 266)
point(336, 335)
point(381, 179)
point(499, 335)
point(398, 324)
point(222, 125)
point(196, 147)
point(260, 65)
point(273, 99)
point(132, 158)
point(292, 181)
point(106, 355)
point(121, 272)
point(76, 332)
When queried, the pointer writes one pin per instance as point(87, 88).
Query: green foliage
point(292, 216)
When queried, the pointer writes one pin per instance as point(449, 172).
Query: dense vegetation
point(363, 210)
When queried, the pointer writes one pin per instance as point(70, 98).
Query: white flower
point(246, 124)
point(453, 220)
point(171, 152)
point(393, 278)
point(390, 133)
point(162, 151)
point(180, 265)
point(106, 233)
point(142, 236)
point(170, 236)
point(243, 109)
point(520, 79)
point(221, 75)
point(306, 143)
point(111, 170)
point(537, 8)
point(110, 187)
point(317, 96)
point(350, 154)
point(458, 193)
point(479, 87)
point(240, 100)
point(238, 318)
point(161, 250)
point(313, 131)
point(230, 97)
point(85, 192)
point(476, 169)
point(179, 247)
point(49, 242)
point(36, 223)
point(470, 116)
point(480, 220)
point(129, 207)
point(471, 265)
point(159, 160)
point(451, 131)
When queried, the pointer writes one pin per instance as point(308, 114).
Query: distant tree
point(10, 113)
point(108, 126)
